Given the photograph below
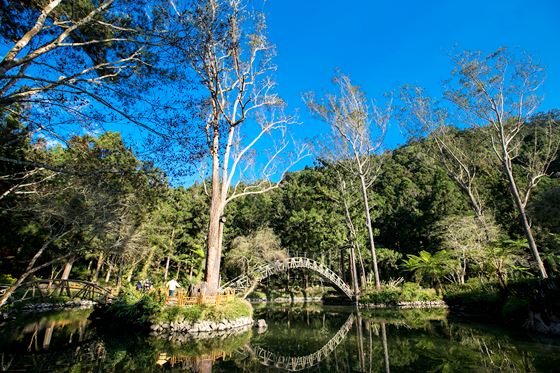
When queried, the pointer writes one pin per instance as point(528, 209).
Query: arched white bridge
point(297, 363)
point(244, 283)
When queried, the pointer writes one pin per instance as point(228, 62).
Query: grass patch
point(233, 310)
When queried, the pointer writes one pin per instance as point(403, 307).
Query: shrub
point(412, 292)
point(132, 307)
point(382, 296)
point(233, 310)
point(475, 295)
point(409, 292)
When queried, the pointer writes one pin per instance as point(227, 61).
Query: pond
point(299, 338)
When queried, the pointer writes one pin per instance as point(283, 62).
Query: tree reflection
point(315, 338)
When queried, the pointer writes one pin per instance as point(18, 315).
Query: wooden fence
point(181, 298)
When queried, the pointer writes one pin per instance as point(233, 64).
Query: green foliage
point(383, 296)
point(474, 295)
point(7, 279)
point(428, 267)
point(413, 292)
point(257, 295)
point(392, 295)
point(97, 203)
point(130, 216)
point(388, 259)
point(232, 310)
point(249, 252)
point(133, 307)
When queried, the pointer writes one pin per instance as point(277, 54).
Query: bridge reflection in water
point(333, 340)
point(298, 363)
point(204, 363)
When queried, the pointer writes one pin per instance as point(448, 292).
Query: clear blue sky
point(385, 44)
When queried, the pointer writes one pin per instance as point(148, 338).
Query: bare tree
point(224, 42)
point(358, 129)
point(342, 191)
point(500, 91)
point(463, 160)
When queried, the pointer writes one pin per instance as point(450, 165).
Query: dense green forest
point(99, 213)
point(106, 106)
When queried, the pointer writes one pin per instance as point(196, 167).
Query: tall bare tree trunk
point(362, 268)
point(100, 261)
point(370, 232)
point(354, 272)
point(109, 270)
point(68, 268)
point(214, 250)
point(130, 273)
point(147, 263)
point(119, 276)
point(169, 255)
point(522, 213)
point(352, 239)
point(166, 268)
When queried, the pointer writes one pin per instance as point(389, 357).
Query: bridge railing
point(60, 289)
point(182, 298)
point(244, 282)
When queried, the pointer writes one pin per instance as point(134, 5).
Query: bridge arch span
point(244, 284)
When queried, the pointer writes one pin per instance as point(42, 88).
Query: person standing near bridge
point(172, 285)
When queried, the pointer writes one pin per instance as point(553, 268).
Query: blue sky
point(385, 44)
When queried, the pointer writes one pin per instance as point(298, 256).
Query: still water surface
point(309, 339)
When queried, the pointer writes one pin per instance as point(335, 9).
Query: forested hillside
point(92, 210)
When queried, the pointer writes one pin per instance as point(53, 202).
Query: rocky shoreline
point(186, 329)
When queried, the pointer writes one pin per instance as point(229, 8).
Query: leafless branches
point(357, 132)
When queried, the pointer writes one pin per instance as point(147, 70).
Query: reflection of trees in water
point(440, 347)
point(374, 342)
point(468, 348)
point(90, 353)
point(382, 344)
